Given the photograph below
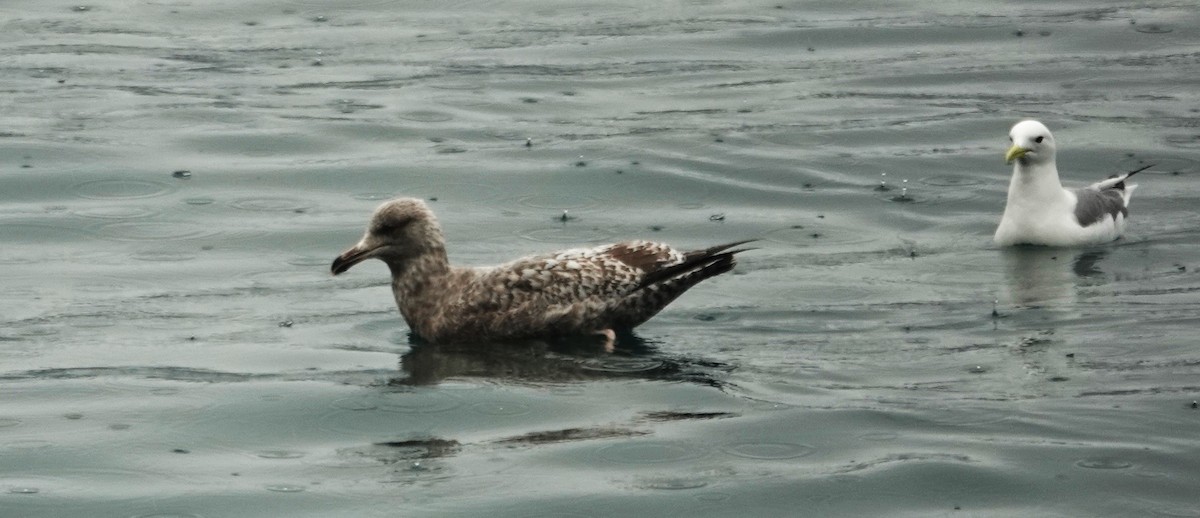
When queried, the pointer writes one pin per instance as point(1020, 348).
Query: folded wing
point(584, 290)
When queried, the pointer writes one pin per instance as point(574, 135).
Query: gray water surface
point(176, 177)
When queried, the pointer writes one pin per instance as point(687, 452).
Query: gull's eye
point(1039, 139)
point(1010, 138)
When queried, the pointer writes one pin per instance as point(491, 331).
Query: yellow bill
point(1014, 153)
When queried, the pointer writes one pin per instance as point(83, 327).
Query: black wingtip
point(1120, 186)
point(720, 248)
point(1138, 170)
point(697, 260)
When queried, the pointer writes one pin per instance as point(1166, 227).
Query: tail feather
point(660, 288)
point(692, 260)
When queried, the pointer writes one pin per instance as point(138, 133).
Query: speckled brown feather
point(571, 292)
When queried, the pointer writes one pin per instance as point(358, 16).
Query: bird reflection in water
point(582, 359)
point(1037, 275)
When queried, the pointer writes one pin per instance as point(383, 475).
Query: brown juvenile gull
point(574, 292)
point(1041, 212)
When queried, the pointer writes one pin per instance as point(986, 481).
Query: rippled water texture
point(176, 176)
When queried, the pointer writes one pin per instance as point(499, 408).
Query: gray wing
point(1092, 204)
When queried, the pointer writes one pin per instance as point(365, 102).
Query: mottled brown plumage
point(571, 292)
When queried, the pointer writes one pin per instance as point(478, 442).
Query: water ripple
point(1153, 28)
point(1174, 165)
point(152, 231)
point(420, 402)
point(162, 256)
point(768, 450)
point(1190, 140)
point(168, 515)
point(622, 365)
point(426, 116)
point(272, 204)
point(672, 483)
point(121, 189)
point(115, 212)
point(819, 234)
point(280, 454)
point(568, 234)
point(1104, 463)
point(650, 452)
point(501, 409)
point(950, 180)
point(556, 202)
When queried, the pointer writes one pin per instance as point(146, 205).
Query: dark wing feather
point(691, 260)
point(639, 306)
point(660, 287)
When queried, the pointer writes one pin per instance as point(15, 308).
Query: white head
point(400, 230)
point(1032, 144)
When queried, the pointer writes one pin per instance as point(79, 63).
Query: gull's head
point(1032, 144)
point(399, 229)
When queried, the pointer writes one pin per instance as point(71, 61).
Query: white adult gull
point(1041, 212)
point(577, 292)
